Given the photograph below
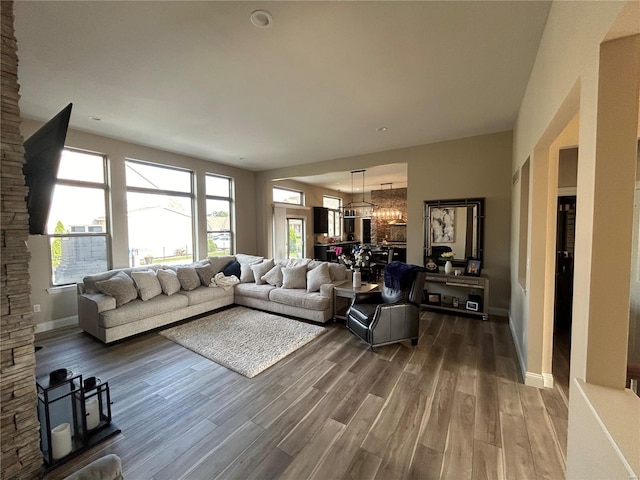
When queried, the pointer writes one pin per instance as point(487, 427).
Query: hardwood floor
point(453, 407)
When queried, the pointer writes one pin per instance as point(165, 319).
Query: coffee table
point(344, 293)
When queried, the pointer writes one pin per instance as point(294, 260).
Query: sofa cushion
point(296, 262)
point(294, 277)
point(168, 281)
point(137, 310)
point(251, 290)
point(188, 277)
point(337, 271)
point(205, 294)
point(274, 276)
point(206, 273)
point(147, 284)
point(246, 274)
point(318, 276)
point(300, 298)
point(260, 269)
point(119, 286)
point(219, 263)
point(91, 280)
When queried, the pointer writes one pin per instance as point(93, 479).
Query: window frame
point(232, 207)
point(105, 187)
point(299, 192)
point(336, 214)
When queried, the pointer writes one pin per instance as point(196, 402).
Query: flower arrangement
point(448, 256)
point(358, 258)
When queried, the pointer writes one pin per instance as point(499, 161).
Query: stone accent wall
point(380, 228)
point(19, 430)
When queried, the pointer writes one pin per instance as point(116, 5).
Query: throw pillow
point(220, 262)
point(188, 277)
point(232, 268)
point(337, 271)
point(260, 269)
point(147, 284)
point(120, 287)
point(206, 273)
point(273, 276)
point(296, 262)
point(294, 277)
point(246, 274)
point(318, 276)
point(168, 281)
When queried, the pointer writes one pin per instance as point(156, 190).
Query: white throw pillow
point(273, 276)
point(318, 276)
point(337, 271)
point(296, 262)
point(168, 281)
point(260, 269)
point(147, 284)
point(294, 277)
point(245, 261)
point(120, 287)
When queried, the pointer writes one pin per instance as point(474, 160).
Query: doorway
point(295, 238)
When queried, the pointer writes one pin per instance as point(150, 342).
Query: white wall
point(59, 307)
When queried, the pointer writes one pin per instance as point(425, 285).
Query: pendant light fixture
point(358, 209)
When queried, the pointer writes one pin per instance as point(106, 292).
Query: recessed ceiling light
point(381, 129)
point(261, 19)
point(95, 118)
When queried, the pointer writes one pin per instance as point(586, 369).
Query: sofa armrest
point(90, 305)
point(326, 290)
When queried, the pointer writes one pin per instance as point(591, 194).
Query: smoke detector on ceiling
point(261, 19)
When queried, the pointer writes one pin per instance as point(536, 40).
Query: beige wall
point(59, 305)
point(481, 166)
point(566, 80)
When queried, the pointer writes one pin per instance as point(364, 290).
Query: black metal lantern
point(61, 412)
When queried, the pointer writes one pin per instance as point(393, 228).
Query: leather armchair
point(392, 315)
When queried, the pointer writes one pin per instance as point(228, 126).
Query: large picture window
point(159, 213)
point(78, 226)
point(220, 232)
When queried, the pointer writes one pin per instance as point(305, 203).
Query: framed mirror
point(454, 226)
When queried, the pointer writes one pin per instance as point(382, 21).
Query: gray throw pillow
point(337, 271)
point(318, 276)
point(147, 284)
point(188, 277)
point(245, 261)
point(206, 273)
point(260, 269)
point(294, 277)
point(120, 287)
point(168, 281)
point(273, 276)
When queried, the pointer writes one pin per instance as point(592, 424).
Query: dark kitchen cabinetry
point(349, 225)
point(320, 220)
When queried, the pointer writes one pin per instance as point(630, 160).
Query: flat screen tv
point(42, 153)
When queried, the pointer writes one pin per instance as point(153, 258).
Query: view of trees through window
point(159, 214)
point(77, 227)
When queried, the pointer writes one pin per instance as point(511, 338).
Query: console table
point(462, 287)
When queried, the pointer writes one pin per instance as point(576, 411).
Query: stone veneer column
point(19, 430)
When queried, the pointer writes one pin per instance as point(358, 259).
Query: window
point(159, 214)
point(220, 213)
point(295, 243)
point(283, 195)
point(78, 231)
point(334, 205)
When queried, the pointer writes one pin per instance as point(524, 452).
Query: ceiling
point(197, 78)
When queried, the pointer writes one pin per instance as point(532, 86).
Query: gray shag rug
point(244, 340)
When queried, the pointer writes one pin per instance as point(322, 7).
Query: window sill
point(61, 289)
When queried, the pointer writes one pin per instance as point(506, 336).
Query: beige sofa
point(109, 310)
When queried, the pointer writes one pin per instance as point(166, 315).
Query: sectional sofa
point(119, 303)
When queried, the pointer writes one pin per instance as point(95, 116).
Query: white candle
point(93, 414)
point(61, 441)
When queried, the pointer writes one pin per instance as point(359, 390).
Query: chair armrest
point(375, 297)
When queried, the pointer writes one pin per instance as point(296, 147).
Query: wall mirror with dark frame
point(454, 226)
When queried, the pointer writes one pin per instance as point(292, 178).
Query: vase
point(357, 279)
point(448, 268)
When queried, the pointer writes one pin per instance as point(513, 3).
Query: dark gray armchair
point(390, 316)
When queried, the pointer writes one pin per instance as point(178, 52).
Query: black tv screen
point(42, 152)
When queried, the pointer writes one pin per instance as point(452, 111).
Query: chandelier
point(361, 208)
point(388, 212)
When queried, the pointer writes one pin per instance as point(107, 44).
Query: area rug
point(244, 340)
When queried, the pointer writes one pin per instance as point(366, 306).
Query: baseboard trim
point(523, 368)
point(58, 323)
point(544, 380)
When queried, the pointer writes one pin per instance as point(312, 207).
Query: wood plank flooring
point(454, 407)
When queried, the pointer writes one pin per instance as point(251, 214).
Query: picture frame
point(434, 299)
point(431, 264)
point(473, 306)
point(443, 225)
point(474, 267)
